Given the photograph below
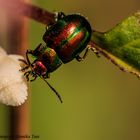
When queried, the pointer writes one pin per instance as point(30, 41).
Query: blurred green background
point(100, 101)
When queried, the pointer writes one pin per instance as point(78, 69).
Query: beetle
point(64, 41)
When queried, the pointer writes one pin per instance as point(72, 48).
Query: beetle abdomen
point(68, 37)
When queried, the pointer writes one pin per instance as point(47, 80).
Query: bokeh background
point(100, 101)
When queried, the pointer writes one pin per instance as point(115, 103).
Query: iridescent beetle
point(65, 40)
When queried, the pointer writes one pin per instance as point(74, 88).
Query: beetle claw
point(95, 51)
point(59, 15)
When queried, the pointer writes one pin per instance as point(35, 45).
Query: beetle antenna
point(52, 88)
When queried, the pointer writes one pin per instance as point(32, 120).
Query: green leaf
point(121, 44)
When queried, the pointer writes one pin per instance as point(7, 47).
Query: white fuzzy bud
point(13, 87)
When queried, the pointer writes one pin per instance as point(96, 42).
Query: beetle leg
point(26, 67)
point(23, 69)
point(79, 58)
point(39, 49)
point(35, 76)
point(22, 60)
point(27, 75)
point(59, 15)
point(95, 51)
point(89, 47)
point(47, 75)
point(27, 57)
point(28, 63)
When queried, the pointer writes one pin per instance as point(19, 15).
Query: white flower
point(13, 87)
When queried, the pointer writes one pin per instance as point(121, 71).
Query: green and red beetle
point(65, 40)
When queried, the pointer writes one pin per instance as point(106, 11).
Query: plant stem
point(28, 10)
point(17, 43)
